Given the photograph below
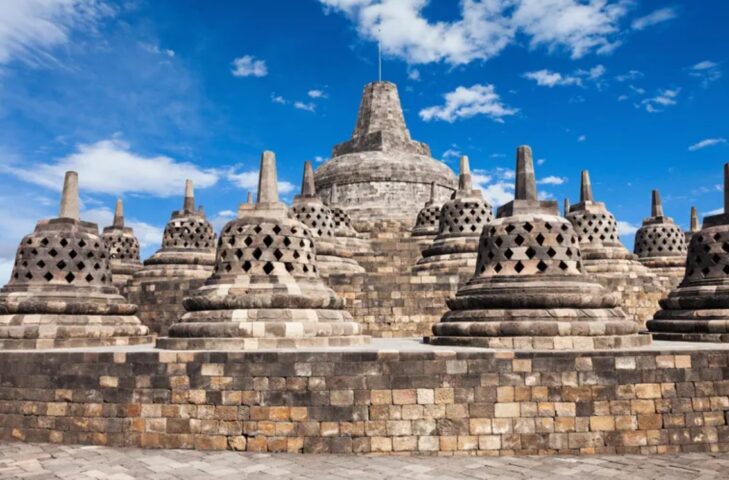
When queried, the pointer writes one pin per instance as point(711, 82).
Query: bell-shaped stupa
point(698, 310)
point(455, 249)
point(265, 291)
point(529, 290)
point(308, 209)
point(60, 292)
point(123, 249)
point(184, 261)
point(344, 230)
point(428, 220)
point(381, 173)
point(694, 225)
point(661, 244)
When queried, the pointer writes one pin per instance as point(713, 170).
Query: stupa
point(530, 290)
point(344, 230)
point(265, 291)
point(428, 220)
point(698, 310)
point(60, 292)
point(123, 249)
point(607, 260)
point(182, 264)
point(661, 244)
point(331, 256)
point(694, 225)
point(244, 208)
point(381, 173)
point(455, 249)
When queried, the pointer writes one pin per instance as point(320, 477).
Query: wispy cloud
point(707, 71)
point(548, 78)
point(654, 18)
point(626, 228)
point(582, 138)
point(465, 102)
point(629, 75)
point(316, 93)
point(307, 106)
point(664, 98)
point(155, 49)
point(707, 142)
point(249, 66)
point(551, 180)
point(248, 180)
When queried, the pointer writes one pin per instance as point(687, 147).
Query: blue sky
point(138, 95)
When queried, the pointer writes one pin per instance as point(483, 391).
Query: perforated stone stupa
point(605, 257)
point(184, 261)
point(428, 220)
point(694, 225)
point(529, 290)
point(381, 173)
point(265, 291)
point(698, 310)
point(60, 292)
point(455, 248)
point(332, 257)
point(123, 248)
point(661, 244)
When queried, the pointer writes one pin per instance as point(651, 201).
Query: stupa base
point(331, 265)
point(705, 325)
point(81, 342)
point(601, 342)
point(214, 343)
point(463, 264)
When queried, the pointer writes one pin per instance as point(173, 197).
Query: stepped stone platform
point(392, 396)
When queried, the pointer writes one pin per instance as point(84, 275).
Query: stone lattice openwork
point(184, 261)
point(428, 220)
point(661, 244)
point(698, 310)
point(381, 173)
point(265, 291)
point(455, 248)
point(529, 290)
point(123, 248)
point(308, 209)
point(60, 292)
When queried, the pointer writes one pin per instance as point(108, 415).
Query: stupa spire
point(694, 227)
point(119, 214)
point(585, 187)
point(566, 206)
point(333, 194)
point(249, 198)
point(656, 205)
point(189, 202)
point(380, 109)
point(267, 181)
point(465, 184)
point(69, 197)
point(307, 183)
point(526, 185)
point(432, 192)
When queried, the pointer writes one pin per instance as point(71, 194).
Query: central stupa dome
point(381, 173)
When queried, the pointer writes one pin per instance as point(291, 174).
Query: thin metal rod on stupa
point(267, 179)
point(307, 183)
point(656, 205)
point(189, 202)
point(585, 187)
point(69, 197)
point(464, 179)
point(694, 226)
point(566, 206)
point(119, 214)
point(526, 185)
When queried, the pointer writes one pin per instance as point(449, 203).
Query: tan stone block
point(56, 409)
point(467, 442)
point(565, 409)
point(505, 394)
point(448, 443)
point(564, 424)
point(257, 444)
point(399, 428)
point(504, 410)
point(404, 444)
point(108, 382)
point(381, 444)
point(298, 414)
point(489, 442)
point(625, 363)
point(603, 423)
point(642, 406)
point(211, 442)
point(329, 429)
point(626, 422)
point(404, 397)
point(479, 426)
point(650, 422)
point(198, 397)
point(443, 396)
point(665, 361)
point(634, 439)
point(683, 361)
point(381, 397)
point(648, 390)
point(528, 409)
point(409, 412)
point(279, 413)
point(583, 364)
point(540, 394)
point(456, 411)
point(212, 369)
point(544, 424)
point(519, 365)
point(341, 397)
point(522, 394)
point(545, 409)
point(502, 425)
point(428, 444)
point(295, 444)
point(426, 396)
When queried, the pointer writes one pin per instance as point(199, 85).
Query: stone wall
point(472, 402)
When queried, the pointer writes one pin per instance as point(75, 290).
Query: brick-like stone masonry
point(447, 402)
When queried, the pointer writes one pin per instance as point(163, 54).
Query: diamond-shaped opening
point(231, 240)
point(716, 258)
point(509, 253)
point(268, 240)
point(257, 253)
point(277, 229)
point(268, 268)
point(48, 276)
point(61, 265)
point(63, 242)
point(81, 265)
point(239, 253)
point(490, 255)
point(89, 278)
point(717, 237)
point(559, 238)
point(228, 267)
point(498, 268)
point(257, 229)
point(97, 266)
point(519, 240)
point(726, 269)
point(224, 254)
point(296, 254)
point(82, 243)
point(510, 228)
point(43, 242)
point(540, 239)
point(246, 266)
point(541, 266)
point(29, 276)
point(70, 277)
point(548, 226)
point(563, 265)
point(305, 268)
point(52, 252)
point(278, 254)
point(519, 267)
point(705, 271)
point(289, 267)
point(528, 227)
point(530, 252)
point(41, 264)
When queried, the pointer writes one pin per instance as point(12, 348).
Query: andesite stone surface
point(698, 310)
point(694, 225)
point(529, 290)
point(265, 291)
point(60, 292)
point(381, 173)
point(123, 248)
point(184, 261)
point(428, 220)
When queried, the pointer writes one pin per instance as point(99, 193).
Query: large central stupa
point(381, 173)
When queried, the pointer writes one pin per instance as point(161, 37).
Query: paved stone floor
point(40, 461)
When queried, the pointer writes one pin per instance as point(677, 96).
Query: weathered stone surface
point(60, 292)
point(123, 249)
point(380, 173)
point(428, 220)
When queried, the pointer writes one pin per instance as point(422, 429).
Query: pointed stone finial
point(267, 181)
point(69, 197)
point(464, 179)
point(694, 227)
point(585, 187)
point(379, 110)
point(249, 200)
point(656, 205)
point(119, 214)
point(526, 185)
point(189, 202)
point(307, 184)
point(566, 206)
point(333, 195)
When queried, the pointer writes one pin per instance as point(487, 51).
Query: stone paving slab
point(48, 461)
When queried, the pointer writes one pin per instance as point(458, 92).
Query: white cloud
point(317, 93)
point(451, 153)
point(109, 166)
point(664, 98)
point(248, 180)
point(548, 78)
point(497, 185)
point(707, 71)
point(278, 99)
point(707, 142)
point(541, 161)
point(716, 211)
point(320, 159)
point(630, 75)
point(221, 218)
point(658, 16)
point(155, 49)
point(582, 138)
point(414, 74)
point(551, 180)
point(622, 98)
point(465, 102)
point(309, 107)
point(249, 66)
point(626, 228)
point(484, 28)
point(31, 29)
